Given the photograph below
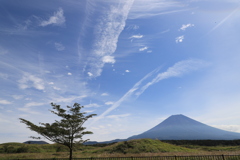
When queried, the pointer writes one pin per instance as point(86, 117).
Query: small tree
point(68, 131)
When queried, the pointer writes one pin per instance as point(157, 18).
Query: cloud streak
point(57, 19)
point(177, 70)
point(145, 9)
point(223, 20)
point(106, 32)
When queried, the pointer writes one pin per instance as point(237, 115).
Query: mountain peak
point(180, 127)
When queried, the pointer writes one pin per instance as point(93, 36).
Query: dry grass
point(85, 155)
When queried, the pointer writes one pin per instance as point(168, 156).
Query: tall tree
point(67, 131)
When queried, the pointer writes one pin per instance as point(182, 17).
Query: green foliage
point(68, 131)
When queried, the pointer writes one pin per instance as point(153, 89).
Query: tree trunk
point(70, 153)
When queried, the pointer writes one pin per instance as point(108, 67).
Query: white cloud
point(185, 26)
point(104, 94)
point(27, 110)
point(5, 102)
point(90, 74)
point(179, 39)
point(108, 59)
point(145, 9)
point(59, 46)
point(177, 70)
point(51, 83)
point(92, 105)
point(29, 81)
point(127, 71)
point(231, 128)
point(136, 36)
point(118, 116)
point(68, 100)
point(109, 26)
point(56, 88)
point(109, 103)
point(69, 73)
point(57, 19)
point(33, 104)
point(17, 96)
point(143, 49)
point(150, 51)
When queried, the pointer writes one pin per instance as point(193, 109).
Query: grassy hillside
point(31, 148)
point(141, 147)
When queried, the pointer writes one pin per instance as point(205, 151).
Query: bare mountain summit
point(180, 127)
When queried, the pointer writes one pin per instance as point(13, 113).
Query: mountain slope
point(180, 127)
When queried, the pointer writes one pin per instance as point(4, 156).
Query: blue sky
point(132, 62)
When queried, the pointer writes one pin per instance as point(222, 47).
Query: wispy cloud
point(109, 103)
point(57, 19)
point(136, 36)
point(144, 9)
point(28, 107)
point(177, 70)
point(2, 101)
point(106, 32)
point(179, 39)
point(17, 96)
point(28, 110)
point(33, 104)
point(223, 20)
point(70, 99)
point(125, 96)
point(143, 48)
point(104, 94)
point(118, 116)
point(185, 26)
point(92, 105)
point(232, 128)
point(59, 46)
point(108, 59)
point(31, 81)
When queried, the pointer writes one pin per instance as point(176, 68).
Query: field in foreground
point(135, 148)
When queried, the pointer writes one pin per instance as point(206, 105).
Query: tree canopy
point(67, 131)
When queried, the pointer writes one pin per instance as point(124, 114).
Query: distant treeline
point(204, 142)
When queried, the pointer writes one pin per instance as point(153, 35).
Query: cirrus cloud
point(57, 19)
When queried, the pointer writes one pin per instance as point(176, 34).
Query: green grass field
point(143, 147)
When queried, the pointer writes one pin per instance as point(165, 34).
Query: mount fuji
point(180, 127)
